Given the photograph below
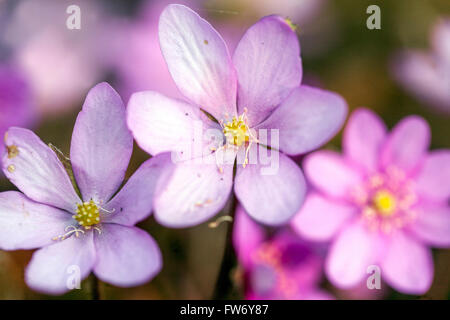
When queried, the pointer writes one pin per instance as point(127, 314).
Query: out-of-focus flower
point(16, 102)
point(259, 89)
point(282, 267)
point(426, 75)
point(90, 230)
point(60, 63)
point(381, 203)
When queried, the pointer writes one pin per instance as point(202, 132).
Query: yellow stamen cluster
point(87, 214)
point(236, 131)
point(384, 202)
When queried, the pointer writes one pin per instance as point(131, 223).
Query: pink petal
point(126, 256)
point(36, 171)
point(134, 202)
point(198, 60)
point(101, 144)
point(407, 265)
point(247, 236)
point(407, 144)
point(331, 174)
point(271, 197)
point(351, 253)
point(433, 180)
point(53, 268)
point(363, 137)
point(268, 65)
point(25, 224)
point(432, 225)
point(162, 124)
point(307, 119)
point(196, 191)
point(320, 219)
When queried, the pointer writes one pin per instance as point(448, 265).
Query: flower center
point(236, 131)
point(87, 214)
point(384, 202)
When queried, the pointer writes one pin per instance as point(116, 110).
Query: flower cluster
point(242, 120)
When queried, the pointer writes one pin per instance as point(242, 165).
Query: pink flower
point(382, 202)
point(92, 231)
point(259, 88)
point(280, 267)
point(426, 75)
point(16, 103)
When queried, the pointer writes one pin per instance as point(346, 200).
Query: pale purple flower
point(426, 75)
point(16, 101)
point(259, 88)
point(277, 267)
point(382, 202)
point(94, 232)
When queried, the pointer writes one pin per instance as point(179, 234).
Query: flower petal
point(134, 202)
point(350, 254)
point(363, 137)
point(196, 191)
point(407, 144)
point(271, 194)
point(126, 256)
point(269, 67)
point(36, 170)
point(162, 124)
point(247, 236)
point(320, 219)
point(432, 225)
point(331, 174)
point(101, 144)
point(25, 224)
point(433, 180)
point(53, 268)
point(407, 265)
point(198, 60)
point(307, 119)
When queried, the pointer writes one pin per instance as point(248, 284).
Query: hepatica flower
point(94, 231)
point(426, 75)
point(382, 202)
point(258, 89)
point(280, 267)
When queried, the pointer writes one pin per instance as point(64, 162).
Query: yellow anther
point(88, 214)
point(236, 131)
point(384, 202)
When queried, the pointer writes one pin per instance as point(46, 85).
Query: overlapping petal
point(432, 225)
point(268, 64)
point(433, 180)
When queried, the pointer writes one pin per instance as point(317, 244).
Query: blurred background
point(47, 69)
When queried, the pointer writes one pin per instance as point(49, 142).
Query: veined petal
point(269, 67)
point(134, 202)
point(363, 137)
point(331, 174)
point(126, 256)
point(407, 144)
point(196, 191)
point(273, 193)
point(198, 60)
point(25, 224)
point(307, 119)
point(101, 144)
point(162, 124)
point(36, 170)
point(407, 265)
point(320, 219)
point(433, 180)
point(52, 268)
